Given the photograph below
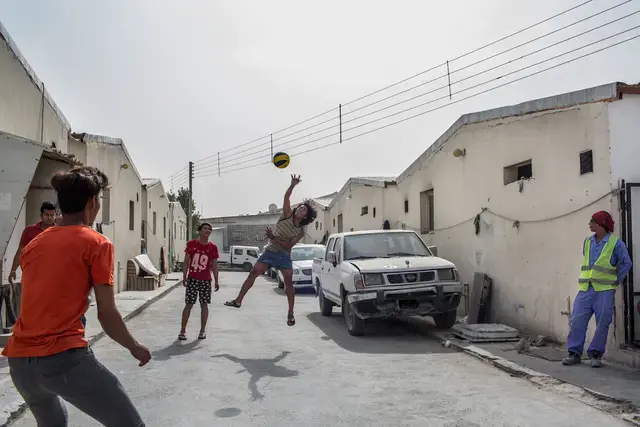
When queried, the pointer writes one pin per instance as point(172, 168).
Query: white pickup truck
point(240, 256)
point(382, 274)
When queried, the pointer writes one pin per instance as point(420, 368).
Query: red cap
point(604, 219)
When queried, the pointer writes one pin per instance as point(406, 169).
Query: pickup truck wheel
point(326, 306)
point(445, 320)
point(355, 325)
point(280, 283)
point(247, 266)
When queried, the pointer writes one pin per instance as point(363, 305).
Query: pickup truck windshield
point(304, 254)
point(384, 245)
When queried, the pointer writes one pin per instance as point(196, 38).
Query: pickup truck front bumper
point(423, 301)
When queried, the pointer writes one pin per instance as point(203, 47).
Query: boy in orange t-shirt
point(48, 354)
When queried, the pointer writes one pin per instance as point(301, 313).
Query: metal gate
point(630, 229)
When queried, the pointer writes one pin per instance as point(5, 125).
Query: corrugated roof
point(88, 138)
point(13, 47)
point(370, 181)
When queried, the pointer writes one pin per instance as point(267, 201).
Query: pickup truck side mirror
point(434, 250)
point(331, 257)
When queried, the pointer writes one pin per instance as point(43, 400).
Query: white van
point(244, 256)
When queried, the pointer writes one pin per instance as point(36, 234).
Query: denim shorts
point(277, 260)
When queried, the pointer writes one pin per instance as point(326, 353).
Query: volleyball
point(281, 160)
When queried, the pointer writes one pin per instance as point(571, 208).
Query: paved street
point(253, 370)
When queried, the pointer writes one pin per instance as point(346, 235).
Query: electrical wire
point(459, 100)
point(271, 147)
point(222, 169)
point(404, 80)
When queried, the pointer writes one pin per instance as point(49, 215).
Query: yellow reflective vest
point(601, 274)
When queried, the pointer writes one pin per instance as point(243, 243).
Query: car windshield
point(384, 245)
point(307, 253)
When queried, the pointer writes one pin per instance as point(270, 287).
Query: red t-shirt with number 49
point(201, 258)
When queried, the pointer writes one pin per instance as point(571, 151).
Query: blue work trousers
point(586, 305)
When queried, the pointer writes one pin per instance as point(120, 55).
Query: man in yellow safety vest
point(605, 263)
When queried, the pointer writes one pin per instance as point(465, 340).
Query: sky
point(181, 81)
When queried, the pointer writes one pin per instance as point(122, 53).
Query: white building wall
point(125, 187)
point(534, 266)
point(319, 227)
point(21, 102)
point(351, 208)
point(624, 134)
point(157, 203)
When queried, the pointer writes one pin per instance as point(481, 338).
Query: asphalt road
point(254, 370)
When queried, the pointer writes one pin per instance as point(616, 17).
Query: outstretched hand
point(295, 180)
point(269, 233)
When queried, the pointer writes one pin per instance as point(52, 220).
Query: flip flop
point(232, 303)
point(202, 336)
point(291, 320)
point(182, 337)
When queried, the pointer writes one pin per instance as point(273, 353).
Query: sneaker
point(572, 359)
point(596, 362)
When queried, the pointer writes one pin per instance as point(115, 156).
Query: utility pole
point(190, 203)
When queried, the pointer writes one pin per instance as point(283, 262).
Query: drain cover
point(486, 332)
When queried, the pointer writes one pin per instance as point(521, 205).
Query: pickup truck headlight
point(373, 279)
point(447, 274)
point(357, 281)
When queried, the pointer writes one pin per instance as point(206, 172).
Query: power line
point(459, 100)
point(221, 169)
point(403, 80)
point(249, 153)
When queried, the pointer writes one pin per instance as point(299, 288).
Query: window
point(137, 197)
point(175, 230)
point(320, 226)
point(164, 227)
point(329, 248)
point(364, 210)
point(384, 245)
point(338, 249)
point(522, 170)
point(237, 251)
point(252, 253)
point(426, 211)
point(340, 223)
point(374, 212)
point(154, 223)
point(406, 206)
point(586, 162)
point(149, 205)
point(334, 222)
point(106, 206)
point(317, 225)
point(132, 211)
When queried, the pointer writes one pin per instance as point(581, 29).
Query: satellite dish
point(273, 208)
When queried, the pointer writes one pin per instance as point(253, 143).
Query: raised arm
point(286, 204)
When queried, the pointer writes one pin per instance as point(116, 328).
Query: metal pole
point(190, 203)
point(340, 114)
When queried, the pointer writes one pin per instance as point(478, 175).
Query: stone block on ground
point(486, 332)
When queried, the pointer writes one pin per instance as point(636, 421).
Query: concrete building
point(363, 203)
point(245, 230)
point(509, 192)
point(33, 146)
point(319, 230)
point(155, 222)
point(177, 233)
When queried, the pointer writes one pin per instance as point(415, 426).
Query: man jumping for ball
point(277, 253)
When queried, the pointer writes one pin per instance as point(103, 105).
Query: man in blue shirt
point(605, 264)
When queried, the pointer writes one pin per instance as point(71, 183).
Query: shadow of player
point(260, 368)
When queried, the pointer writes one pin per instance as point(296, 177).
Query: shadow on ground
point(260, 368)
point(393, 336)
point(176, 348)
point(300, 292)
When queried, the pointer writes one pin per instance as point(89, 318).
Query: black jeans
point(77, 377)
point(84, 321)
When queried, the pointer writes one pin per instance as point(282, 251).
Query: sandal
point(182, 337)
point(202, 336)
point(232, 303)
point(291, 320)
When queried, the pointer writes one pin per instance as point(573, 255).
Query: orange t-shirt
point(59, 268)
